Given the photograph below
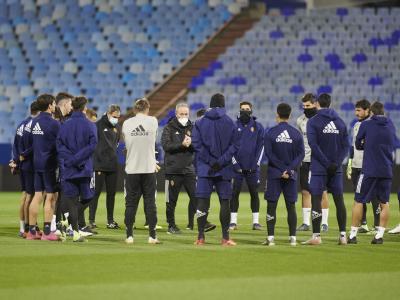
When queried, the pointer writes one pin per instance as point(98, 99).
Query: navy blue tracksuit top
point(215, 140)
point(76, 143)
point(25, 147)
point(284, 148)
point(377, 137)
point(44, 133)
point(16, 149)
point(328, 138)
point(251, 150)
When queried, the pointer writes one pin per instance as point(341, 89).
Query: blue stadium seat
point(98, 44)
point(359, 58)
point(305, 58)
point(276, 34)
point(324, 89)
point(297, 89)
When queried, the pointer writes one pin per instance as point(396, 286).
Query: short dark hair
point(44, 101)
point(34, 108)
point(141, 105)
point(309, 97)
point(377, 108)
point(63, 96)
point(200, 112)
point(284, 111)
point(363, 103)
point(58, 114)
point(79, 103)
point(324, 100)
point(245, 103)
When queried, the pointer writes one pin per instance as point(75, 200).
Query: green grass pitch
point(107, 268)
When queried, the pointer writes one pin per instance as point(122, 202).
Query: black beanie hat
point(217, 100)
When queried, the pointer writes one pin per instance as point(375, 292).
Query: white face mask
point(183, 121)
point(113, 121)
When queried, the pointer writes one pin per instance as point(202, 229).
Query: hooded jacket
point(178, 159)
point(328, 138)
point(251, 150)
point(377, 137)
point(284, 148)
point(76, 142)
point(44, 134)
point(105, 156)
point(215, 140)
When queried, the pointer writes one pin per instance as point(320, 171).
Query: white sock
point(306, 215)
point(381, 231)
point(22, 226)
point(271, 238)
point(343, 233)
point(234, 218)
point(255, 218)
point(325, 215)
point(292, 237)
point(353, 232)
point(315, 235)
point(53, 226)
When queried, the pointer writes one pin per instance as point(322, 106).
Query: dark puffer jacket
point(178, 158)
point(105, 156)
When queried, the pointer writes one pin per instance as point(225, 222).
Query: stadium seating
point(110, 50)
point(349, 52)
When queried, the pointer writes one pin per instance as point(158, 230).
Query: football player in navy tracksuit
point(76, 143)
point(62, 113)
point(24, 166)
point(376, 137)
point(246, 163)
point(354, 165)
point(215, 142)
point(44, 132)
point(328, 138)
point(284, 149)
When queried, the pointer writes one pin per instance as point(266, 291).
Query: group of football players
point(54, 148)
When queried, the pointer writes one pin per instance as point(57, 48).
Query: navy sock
point(46, 228)
point(32, 229)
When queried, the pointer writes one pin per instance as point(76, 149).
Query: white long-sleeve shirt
point(358, 154)
point(302, 126)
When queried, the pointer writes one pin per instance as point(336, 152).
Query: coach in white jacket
point(139, 133)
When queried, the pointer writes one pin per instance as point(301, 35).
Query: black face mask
point(245, 116)
point(310, 112)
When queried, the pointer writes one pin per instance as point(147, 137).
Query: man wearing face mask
point(310, 111)
point(179, 170)
point(106, 164)
point(246, 163)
